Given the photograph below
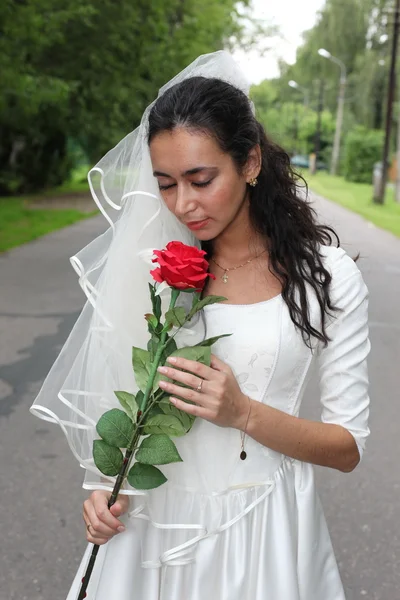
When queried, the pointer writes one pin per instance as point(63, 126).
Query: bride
point(240, 518)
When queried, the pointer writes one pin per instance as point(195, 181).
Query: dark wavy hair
point(278, 209)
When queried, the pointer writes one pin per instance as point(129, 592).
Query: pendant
point(225, 277)
point(243, 455)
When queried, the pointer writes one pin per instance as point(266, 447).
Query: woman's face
point(198, 182)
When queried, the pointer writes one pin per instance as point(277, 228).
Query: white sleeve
point(343, 362)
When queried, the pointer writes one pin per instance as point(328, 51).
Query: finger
point(105, 515)
point(192, 381)
point(185, 393)
point(97, 529)
point(118, 509)
point(103, 523)
point(96, 540)
point(218, 364)
point(92, 536)
point(190, 409)
point(193, 366)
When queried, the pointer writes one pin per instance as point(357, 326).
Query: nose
point(185, 202)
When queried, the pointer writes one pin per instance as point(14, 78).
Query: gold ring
point(198, 389)
point(87, 526)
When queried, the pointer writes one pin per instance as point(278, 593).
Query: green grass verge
point(20, 224)
point(76, 184)
point(358, 198)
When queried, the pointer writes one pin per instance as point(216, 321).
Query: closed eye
point(200, 185)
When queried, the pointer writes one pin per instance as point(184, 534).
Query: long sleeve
point(343, 362)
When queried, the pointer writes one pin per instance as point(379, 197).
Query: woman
point(240, 517)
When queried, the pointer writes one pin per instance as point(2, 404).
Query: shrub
point(363, 148)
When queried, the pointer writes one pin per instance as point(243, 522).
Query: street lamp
point(340, 109)
point(294, 84)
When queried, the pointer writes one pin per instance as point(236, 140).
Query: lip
point(195, 225)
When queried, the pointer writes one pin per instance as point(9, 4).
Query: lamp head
point(324, 53)
point(293, 84)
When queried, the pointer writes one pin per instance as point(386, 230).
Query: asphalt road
point(42, 532)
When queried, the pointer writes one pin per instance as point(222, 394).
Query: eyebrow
point(189, 172)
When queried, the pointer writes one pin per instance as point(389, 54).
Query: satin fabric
point(225, 529)
point(280, 550)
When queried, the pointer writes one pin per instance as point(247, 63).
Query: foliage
point(145, 427)
point(362, 150)
point(290, 124)
point(358, 198)
point(20, 223)
point(87, 70)
point(366, 56)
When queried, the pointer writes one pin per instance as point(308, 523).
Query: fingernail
point(162, 369)
point(162, 384)
point(121, 529)
point(171, 359)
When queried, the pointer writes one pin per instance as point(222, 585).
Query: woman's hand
point(220, 399)
point(101, 522)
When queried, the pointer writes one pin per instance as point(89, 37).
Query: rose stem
point(131, 447)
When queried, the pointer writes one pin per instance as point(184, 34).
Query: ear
point(253, 165)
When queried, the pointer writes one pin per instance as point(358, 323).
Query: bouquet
point(148, 420)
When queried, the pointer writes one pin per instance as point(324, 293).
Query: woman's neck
point(239, 241)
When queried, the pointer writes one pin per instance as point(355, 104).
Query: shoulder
point(347, 285)
point(338, 263)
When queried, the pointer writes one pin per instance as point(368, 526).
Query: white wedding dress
point(252, 529)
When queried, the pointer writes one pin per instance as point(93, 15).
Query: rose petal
point(156, 275)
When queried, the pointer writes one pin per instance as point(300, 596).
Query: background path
point(43, 535)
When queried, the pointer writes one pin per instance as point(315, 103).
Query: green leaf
point(141, 366)
point(154, 410)
point(212, 340)
point(128, 403)
point(176, 316)
point(139, 398)
point(145, 477)
point(190, 291)
point(107, 459)
point(205, 302)
point(196, 298)
point(155, 301)
point(167, 424)
point(158, 450)
point(116, 428)
point(169, 409)
point(170, 348)
point(152, 321)
point(198, 353)
point(152, 345)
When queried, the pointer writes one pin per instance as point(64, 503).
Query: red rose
point(181, 266)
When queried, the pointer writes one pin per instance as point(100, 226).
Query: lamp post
point(295, 85)
point(379, 197)
point(340, 109)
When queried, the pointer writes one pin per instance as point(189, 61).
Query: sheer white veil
point(113, 272)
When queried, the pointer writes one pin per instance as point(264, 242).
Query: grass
point(78, 183)
point(358, 198)
point(20, 222)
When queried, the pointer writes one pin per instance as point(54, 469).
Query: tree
point(87, 71)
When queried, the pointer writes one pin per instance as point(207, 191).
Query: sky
point(293, 17)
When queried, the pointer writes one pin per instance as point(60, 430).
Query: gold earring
point(253, 182)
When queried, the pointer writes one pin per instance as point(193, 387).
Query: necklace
point(224, 276)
